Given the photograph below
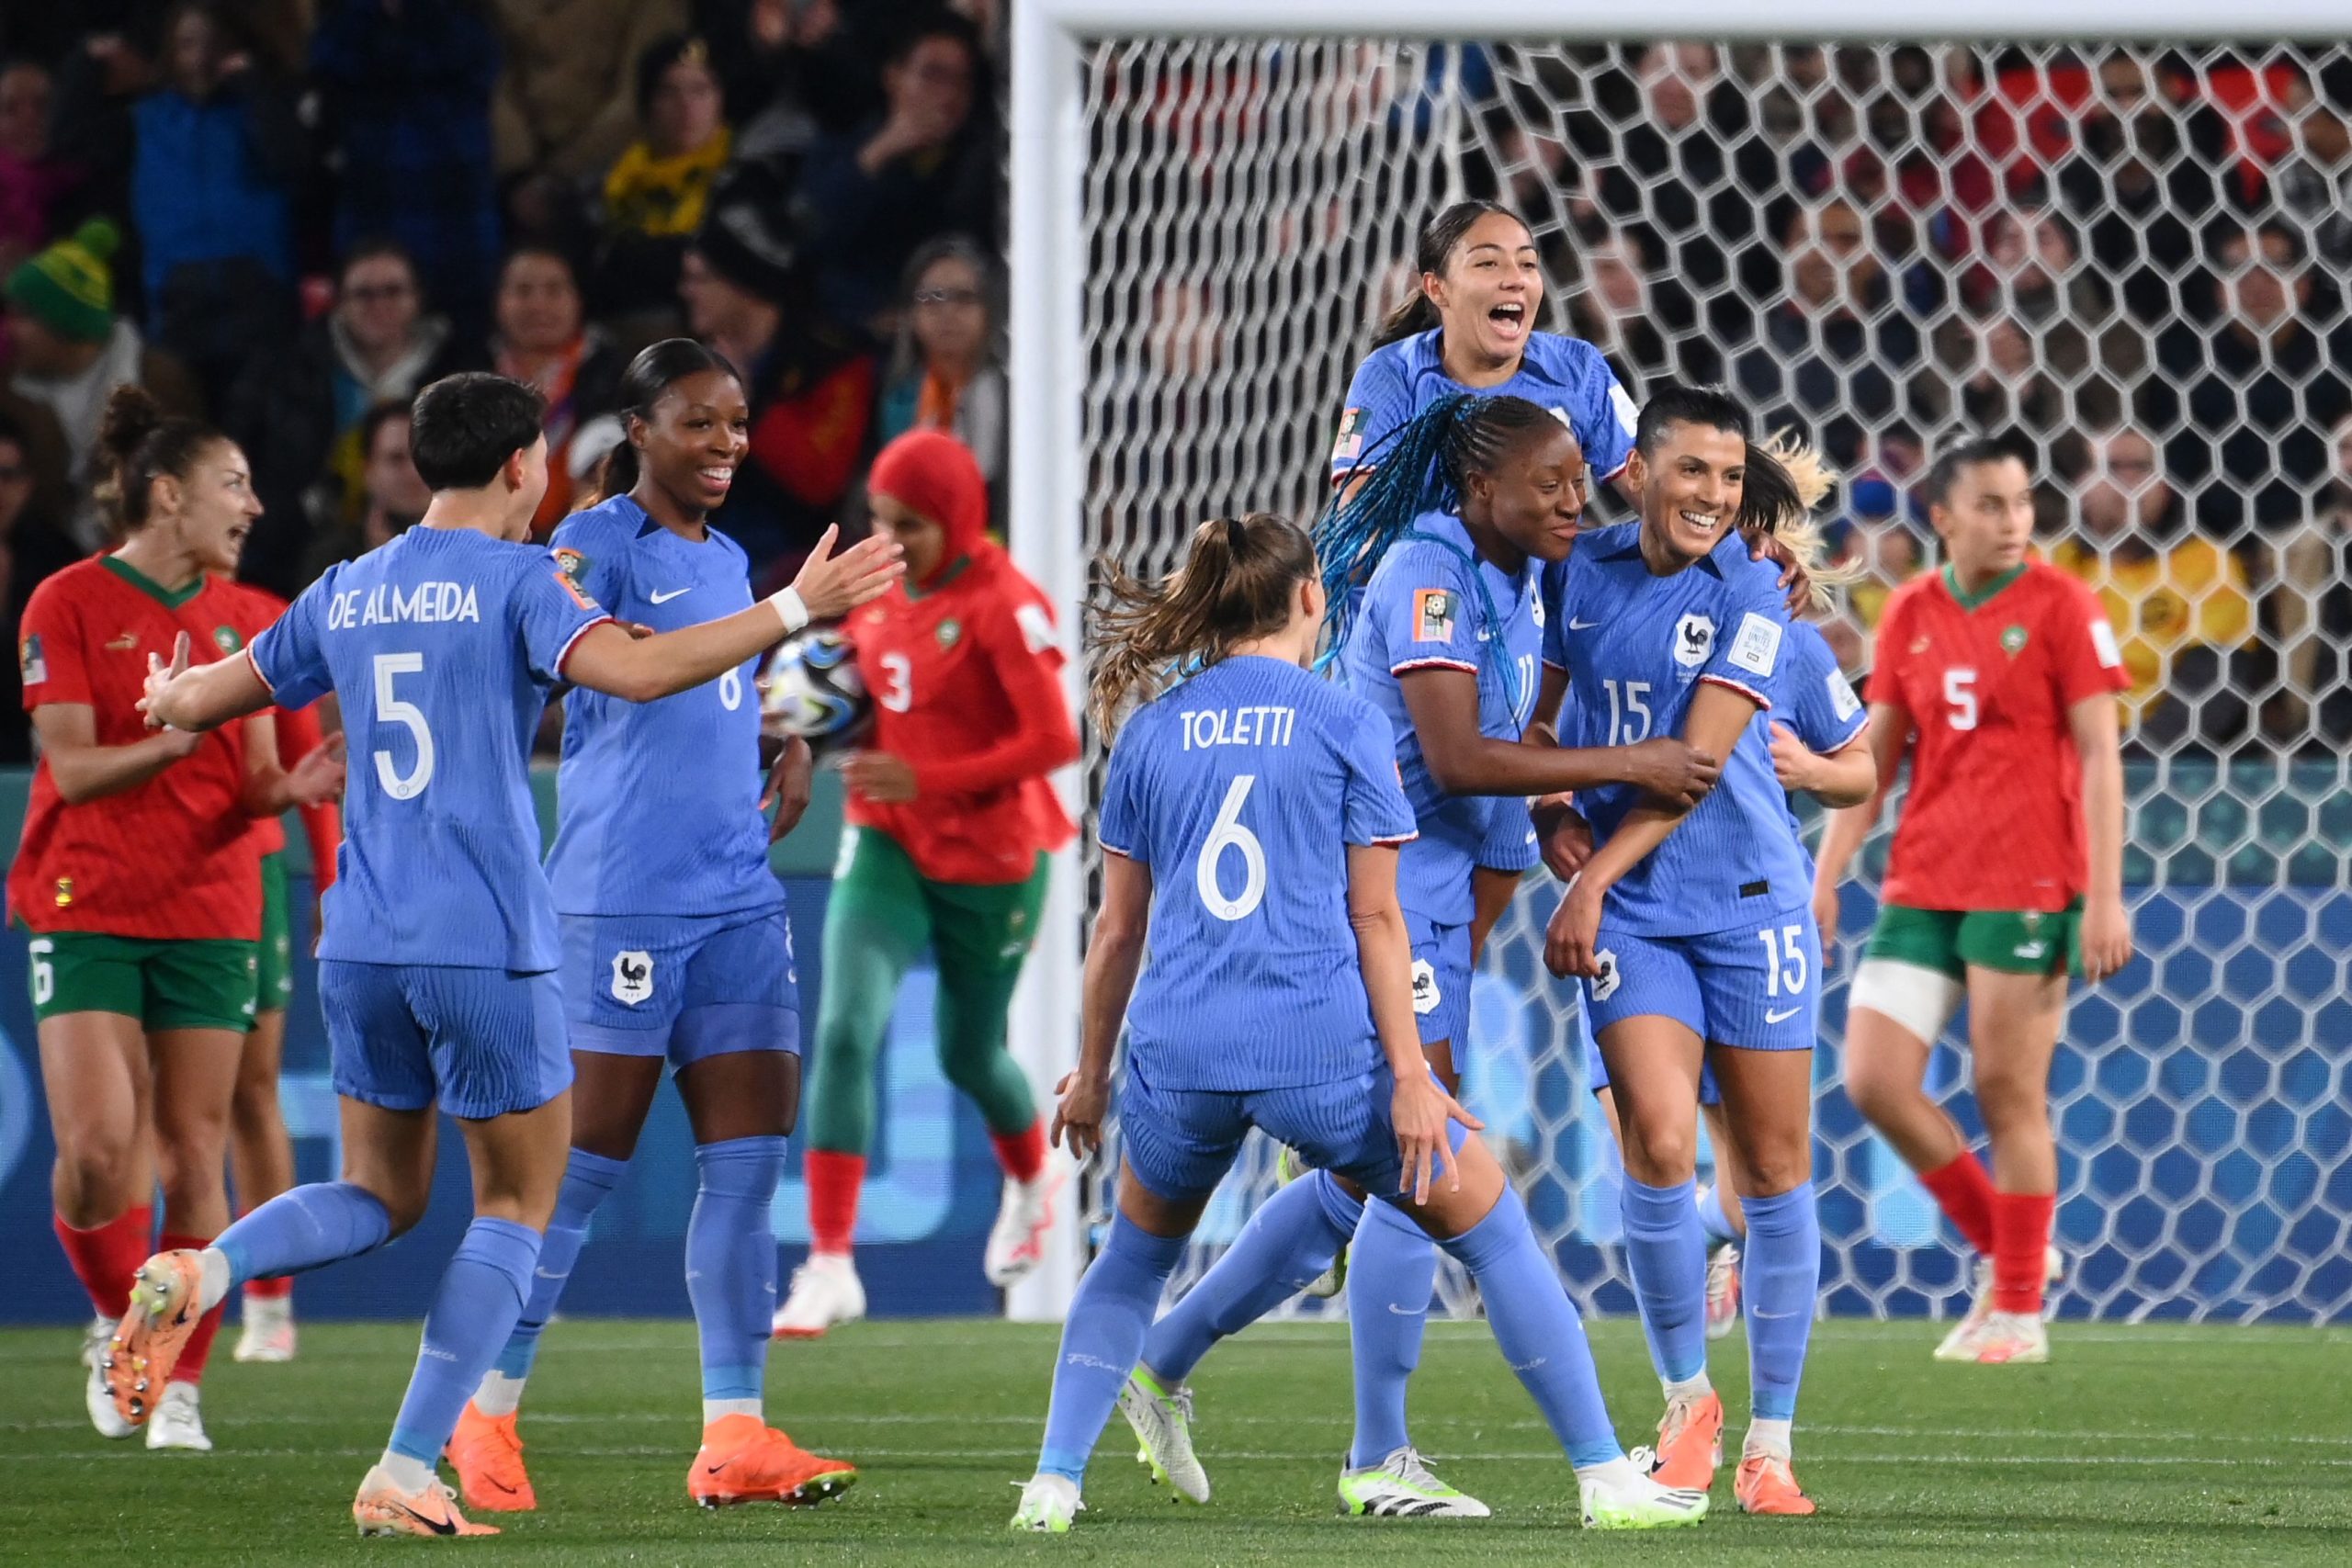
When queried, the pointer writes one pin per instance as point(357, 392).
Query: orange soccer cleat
point(1767, 1484)
point(166, 1303)
point(487, 1453)
point(1689, 1443)
point(743, 1460)
point(383, 1508)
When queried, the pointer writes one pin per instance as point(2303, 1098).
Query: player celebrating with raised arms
point(1251, 821)
point(1692, 927)
point(437, 971)
point(676, 945)
point(951, 815)
point(1998, 677)
point(1444, 640)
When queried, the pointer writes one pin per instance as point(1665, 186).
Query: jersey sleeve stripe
point(1750, 693)
point(1432, 664)
point(1396, 838)
point(255, 665)
point(1110, 848)
point(572, 641)
point(1619, 469)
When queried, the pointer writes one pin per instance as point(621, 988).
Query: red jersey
point(299, 734)
point(968, 691)
point(173, 858)
point(1994, 817)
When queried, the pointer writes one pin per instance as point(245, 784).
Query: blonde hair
point(1787, 479)
point(1237, 584)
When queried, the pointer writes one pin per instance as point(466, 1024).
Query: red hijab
point(934, 475)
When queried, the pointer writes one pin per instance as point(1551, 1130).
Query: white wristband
point(790, 609)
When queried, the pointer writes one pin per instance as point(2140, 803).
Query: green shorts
point(2015, 941)
point(275, 972)
point(191, 983)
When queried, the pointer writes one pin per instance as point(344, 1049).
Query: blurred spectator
point(926, 165)
point(793, 69)
point(2313, 183)
point(404, 90)
point(392, 495)
point(542, 340)
point(655, 195)
point(72, 350)
point(750, 294)
point(33, 183)
point(2179, 602)
point(32, 545)
point(1832, 357)
point(1890, 554)
point(946, 372)
point(564, 106)
point(298, 416)
point(2250, 405)
point(217, 154)
point(2310, 614)
point(1611, 307)
point(2132, 185)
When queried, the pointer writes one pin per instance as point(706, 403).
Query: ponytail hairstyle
point(1237, 581)
point(1431, 249)
point(1422, 466)
point(657, 368)
point(143, 444)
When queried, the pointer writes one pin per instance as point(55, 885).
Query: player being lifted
point(950, 817)
point(1251, 821)
point(437, 972)
point(1445, 645)
point(676, 945)
point(1998, 676)
point(1692, 927)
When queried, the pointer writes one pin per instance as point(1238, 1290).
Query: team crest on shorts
point(1425, 992)
point(632, 977)
point(1605, 983)
point(1695, 639)
point(2013, 641)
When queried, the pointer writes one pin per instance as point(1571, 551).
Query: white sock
point(410, 1475)
point(215, 1288)
point(1767, 1437)
point(720, 1409)
point(1618, 1471)
point(499, 1395)
point(1696, 1387)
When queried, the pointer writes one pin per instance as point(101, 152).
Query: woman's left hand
point(879, 777)
point(1079, 1115)
point(790, 784)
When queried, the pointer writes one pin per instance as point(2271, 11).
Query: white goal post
point(1050, 280)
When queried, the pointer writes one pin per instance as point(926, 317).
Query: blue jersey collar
point(1714, 560)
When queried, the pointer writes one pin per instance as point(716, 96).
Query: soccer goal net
point(2129, 254)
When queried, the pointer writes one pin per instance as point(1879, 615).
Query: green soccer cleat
point(1626, 1499)
point(1401, 1487)
point(1048, 1503)
point(1289, 1167)
point(1163, 1428)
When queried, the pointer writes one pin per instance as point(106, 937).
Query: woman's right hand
point(1672, 769)
point(832, 586)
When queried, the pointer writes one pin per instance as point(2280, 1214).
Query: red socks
point(199, 1343)
point(1963, 1189)
point(103, 1258)
point(2020, 1242)
point(834, 1182)
point(1021, 1154)
point(276, 1290)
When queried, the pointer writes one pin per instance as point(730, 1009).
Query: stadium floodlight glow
point(1135, 309)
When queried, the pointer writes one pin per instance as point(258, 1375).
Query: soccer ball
point(811, 688)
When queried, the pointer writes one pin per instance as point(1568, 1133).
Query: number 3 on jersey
point(899, 695)
point(390, 709)
point(1227, 833)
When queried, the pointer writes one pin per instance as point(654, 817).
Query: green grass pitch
point(2154, 1445)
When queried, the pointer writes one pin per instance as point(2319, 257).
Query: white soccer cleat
point(95, 1395)
point(1017, 1242)
point(1048, 1503)
point(1723, 1291)
point(1627, 1499)
point(1966, 1338)
point(268, 1332)
point(178, 1421)
point(825, 1293)
point(1402, 1487)
point(2012, 1338)
point(1163, 1425)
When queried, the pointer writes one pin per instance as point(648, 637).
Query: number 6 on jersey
point(1225, 833)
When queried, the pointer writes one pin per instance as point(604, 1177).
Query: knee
point(2011, 1102)
point(1877, 1090)
point(1659, 1152)
point(1781, 1166)
point(93, 1161)
point(255, 1103)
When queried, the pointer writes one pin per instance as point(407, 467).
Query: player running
point(950, 817)
point(1445, 644)
point(1251, 817)
point(676, 945)
point(140, 881)
point(1693, 928)
point(1997, 675)
point(437, 968)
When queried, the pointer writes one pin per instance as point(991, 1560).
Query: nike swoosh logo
point(438, 1527)
point(1783, 1016)
point(1403, 1312)
point(1576, 626)
point(665, 598)
point(714, 1469)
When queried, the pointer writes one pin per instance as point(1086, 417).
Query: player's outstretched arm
point(1114, 957)
point(1384, 957)
point(1444, 707)
point(204, 698)
point(608, 659)
point(2107, 929)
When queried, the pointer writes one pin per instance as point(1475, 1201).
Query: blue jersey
point(1635, 648)
point(441, 648)
point(1242, 789)
point(1820, 703)
point(658, 804)
point(1433, 604)
point(1566, 375)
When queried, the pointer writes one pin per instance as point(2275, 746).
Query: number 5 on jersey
point(390, 709)
point(1227, 833)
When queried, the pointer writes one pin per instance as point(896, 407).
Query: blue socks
point(1665, 1251)
point(304, 1228)
point(1782, 1279)
point(731, 1264)
point(1537, 1328)
point(1101, 1340)
point(1291, 1238)
point(1711, 1218)
point(588, 1180)
point(1391, 1274)
point(481, 1295)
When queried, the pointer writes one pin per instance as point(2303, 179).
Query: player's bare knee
point(1782, 1167)
point(1662, 1156)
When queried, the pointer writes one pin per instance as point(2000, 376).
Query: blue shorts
point(1180, 1141)
point(1757, 988)
point(480, 1042)
point(686, 986)
point(1595, 1068)
point(1440, 981)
